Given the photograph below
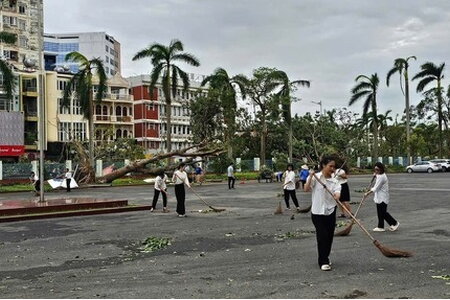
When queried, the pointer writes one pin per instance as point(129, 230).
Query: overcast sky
point(327, 42)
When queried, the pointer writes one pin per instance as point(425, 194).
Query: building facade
point(90, 44)
point(23, 18)
point(150, 124)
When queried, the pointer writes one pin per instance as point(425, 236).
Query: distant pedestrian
point(34, 179)
point(303, 175)
point(323, 210)
point(381, 198)
point(279, 176)
point(199, 178)
point(68, 177)
point(289, 187)
point(341, 175)
point(231, 178)
point(160, 187)
point(180, 178)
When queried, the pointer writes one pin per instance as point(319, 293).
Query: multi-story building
point(90, 44)
point(150, 124)
point(23, 18)
point(113, 117)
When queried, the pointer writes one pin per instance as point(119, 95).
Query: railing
point(31, 112)
point(124, 119)
point(29, 89)
point(118, 97)
point(102, 118)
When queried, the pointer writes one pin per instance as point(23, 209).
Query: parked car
point(445, 164)
point(423, 166)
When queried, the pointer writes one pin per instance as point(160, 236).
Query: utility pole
point(320, 104)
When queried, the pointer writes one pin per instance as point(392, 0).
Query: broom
point(386, 251)
point(346, 230)
point(206, 203)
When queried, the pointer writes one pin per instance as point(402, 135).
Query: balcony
point(102, 118)
point(126, 119)
point(118, 97)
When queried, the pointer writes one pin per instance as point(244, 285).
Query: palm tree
point(5, 69)
point(367, 87)
point(401, 67)
point(82, 86)
point(433, 73)
point(223, 84)
point(163, 59)
point(261, 90)
point(287, 87)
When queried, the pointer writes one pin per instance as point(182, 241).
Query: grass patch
point(22, 188)
point(153, 243)
point(128, 181)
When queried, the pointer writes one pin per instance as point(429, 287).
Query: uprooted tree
point(203, 149)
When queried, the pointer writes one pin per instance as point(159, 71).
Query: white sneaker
point(377, 229)
point(394, 227)
point(181, 216)
point(325, 268)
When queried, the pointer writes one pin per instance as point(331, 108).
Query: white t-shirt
point(289, 180)
point(322, 202)
point(338, 174)
point(381, 189)
point(160, 183)
point(68, 175)
point(230, 171)
point(180, 177)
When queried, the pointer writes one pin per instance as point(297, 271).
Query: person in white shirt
point(160, 187)
point(231, 178)
point(68, 177)
point(289, 187)
point(323, 210)
point(341, 175)
point(180, 178)
point(381, 199)
point(34, 179)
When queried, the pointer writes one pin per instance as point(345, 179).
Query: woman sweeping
point(381, 198)
point(323, 210)
point(160, 187)
point(342, 176)
point(289, 187)
point(180, 178)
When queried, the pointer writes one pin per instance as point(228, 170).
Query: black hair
point(290, 165)
point(326, 160)
point(380, 166)
point(181, 166)
point(344, 167)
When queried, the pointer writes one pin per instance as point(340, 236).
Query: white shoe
point(377, 229)
point(394, 227)
point(181, 216)
point(325, 268)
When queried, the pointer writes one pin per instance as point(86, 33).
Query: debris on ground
point(153, 243)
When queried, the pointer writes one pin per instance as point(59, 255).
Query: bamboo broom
point(386, 251)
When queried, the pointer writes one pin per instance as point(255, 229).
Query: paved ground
point(240, 253)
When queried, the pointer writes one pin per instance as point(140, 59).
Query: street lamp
point(319, 103)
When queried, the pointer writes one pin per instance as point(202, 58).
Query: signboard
point(11, 128)
point(12, 150)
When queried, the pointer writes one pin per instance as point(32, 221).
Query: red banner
point(12, 150)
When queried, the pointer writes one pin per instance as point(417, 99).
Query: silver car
point(424, 166)
point(445, 164)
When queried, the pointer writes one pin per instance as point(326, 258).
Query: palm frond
point(356, 96)
point(184, 77)
point(175, 46)
point(97, 64)
point(78, 58)
point(174, 79)
point(69, 90)
point(147, 52)
point(154, 76)
point(361, 86)
point(187, 58)
point(424, 82)
point(242, 82)
point(391, 72)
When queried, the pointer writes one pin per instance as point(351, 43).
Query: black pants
point(384, 215)
point(324, 234)
point(68, 184)
point(293, 196)
point(156, 196)
point(181, 196)
point(231, 181)
point(37, 185)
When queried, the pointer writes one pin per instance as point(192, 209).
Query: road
point(244, 252)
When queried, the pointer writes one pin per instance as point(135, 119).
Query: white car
point(445, 164)
point(424, 166)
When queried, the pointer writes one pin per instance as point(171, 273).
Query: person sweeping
point(289, 187)
point(160, 187)
point(381, 199)
point(323, 210)
point(342, 176)
point(180, 178)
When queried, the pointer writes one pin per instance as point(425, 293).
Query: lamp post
point(320, 104)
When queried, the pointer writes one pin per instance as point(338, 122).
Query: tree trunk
point(439, 98)
point(290, 142)
point(375, 130)
point(91, 171)
point(168, 95)
point(408, 132)
point(263, 137)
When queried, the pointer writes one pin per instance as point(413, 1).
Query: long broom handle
point(345, 209)
point(206, 203)
point(364, 197)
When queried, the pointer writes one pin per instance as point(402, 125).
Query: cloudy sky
point(327, 42)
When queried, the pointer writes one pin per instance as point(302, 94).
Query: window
point(68, 131)
point(111, 72)
point(22, 9)
point(63, 131)
point(107, 59)
point(61, 85)
point(62, 110)
point(22, 24)
point(106, 48)
point(76, 107)
point(23, 42)
point(106, 70)
point(5, 104)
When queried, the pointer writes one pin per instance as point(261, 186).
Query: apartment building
point(90, 44)
point(150, 126)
